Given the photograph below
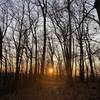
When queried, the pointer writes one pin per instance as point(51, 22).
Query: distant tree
point(51, 49)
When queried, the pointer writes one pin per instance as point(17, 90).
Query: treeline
point(36, 35)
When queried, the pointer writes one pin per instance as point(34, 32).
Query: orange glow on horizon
point(50, 70)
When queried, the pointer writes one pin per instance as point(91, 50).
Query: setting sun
point(50, 70)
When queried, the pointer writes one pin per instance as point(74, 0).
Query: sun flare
point(51, 70)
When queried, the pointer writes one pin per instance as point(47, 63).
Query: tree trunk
point(31, 69)
point(36, 60)
point(81, 61)
point(69, 69)
point(5, 77)
point(17, 68)
point(26, 71)
point(44, 45)
point(90, 59)
point(1, 40)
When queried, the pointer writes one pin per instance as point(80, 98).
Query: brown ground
point(56, 90)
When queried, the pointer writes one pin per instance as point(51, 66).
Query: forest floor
point(56, 90)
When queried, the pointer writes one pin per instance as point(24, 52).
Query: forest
point(50, 47)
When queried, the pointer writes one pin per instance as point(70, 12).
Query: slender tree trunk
point(88, 48)
point(44, 45)
point(76, 63)
point(31, 69)
point(17, 68)
point(52, 61)
point(26, 71)
point(94, 64)
point(81, 61)
point(90, 59)
point(5, 77)
point(1, 40)
point(69, 69)
point(36, 60)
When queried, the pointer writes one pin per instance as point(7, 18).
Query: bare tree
point(5, 20)
point(43, 5)
point(19, 39)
